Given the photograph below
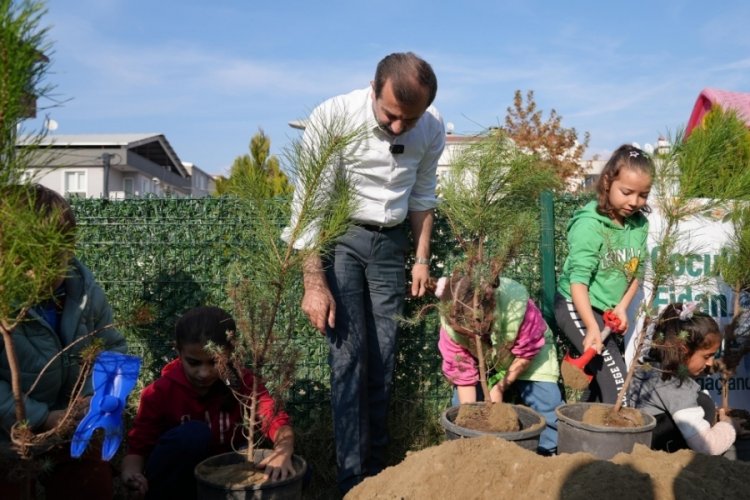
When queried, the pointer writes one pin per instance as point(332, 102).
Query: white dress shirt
point(388, 185)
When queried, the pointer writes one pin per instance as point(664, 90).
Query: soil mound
point(491, 468)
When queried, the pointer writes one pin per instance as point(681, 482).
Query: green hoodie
point(603, 255)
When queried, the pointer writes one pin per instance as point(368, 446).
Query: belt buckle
point(373, 227)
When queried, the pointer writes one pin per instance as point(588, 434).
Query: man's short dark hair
point(404, 69)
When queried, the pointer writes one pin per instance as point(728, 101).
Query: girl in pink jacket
point(520, 354)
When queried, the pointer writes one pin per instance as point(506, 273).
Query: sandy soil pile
point(487, 467)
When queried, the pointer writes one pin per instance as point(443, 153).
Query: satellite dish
point(51, 124)
point(648, 148)
point(449, 128)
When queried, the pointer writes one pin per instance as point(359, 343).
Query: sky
point(209, 74)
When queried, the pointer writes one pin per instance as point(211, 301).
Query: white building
point(115, 166)
point(201, 183)
point(454, 144)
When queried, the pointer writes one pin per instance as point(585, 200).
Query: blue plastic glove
point(114, 377)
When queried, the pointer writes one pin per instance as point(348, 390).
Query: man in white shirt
point(356, 294)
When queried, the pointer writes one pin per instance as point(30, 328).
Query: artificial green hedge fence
point(158, 257)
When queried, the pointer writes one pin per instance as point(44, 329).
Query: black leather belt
point(376, 228)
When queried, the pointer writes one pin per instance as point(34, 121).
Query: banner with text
point(694, 270)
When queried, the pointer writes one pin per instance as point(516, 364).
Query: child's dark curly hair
point(675, 339)
point(207, 324)
point(201, 325)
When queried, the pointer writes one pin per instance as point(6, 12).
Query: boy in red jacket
point(189, 414)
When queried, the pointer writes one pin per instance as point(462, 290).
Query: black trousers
point(367, 278)
point(608, 369)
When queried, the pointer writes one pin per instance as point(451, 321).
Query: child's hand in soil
point(496, 393)
point(736, 423)
point(743, 417)
point(135, 482)
point(132, 475)
point(277, 465)
point(54, 417)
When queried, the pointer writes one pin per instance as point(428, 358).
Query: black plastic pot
point(602, 442)
point(532, 425)
point(288, 489)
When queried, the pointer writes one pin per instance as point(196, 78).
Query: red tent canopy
point(737, 101)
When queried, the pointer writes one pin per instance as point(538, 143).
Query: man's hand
point(421, 230)
point(420, 279)
point(318, 304)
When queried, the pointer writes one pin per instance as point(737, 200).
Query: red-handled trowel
point(573, 369)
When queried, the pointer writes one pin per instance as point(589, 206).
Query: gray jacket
point(36, 343)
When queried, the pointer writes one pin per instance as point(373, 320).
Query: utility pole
point(106, 157)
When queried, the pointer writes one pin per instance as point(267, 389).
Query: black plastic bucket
point(602, 442)
point(532, 425)
point(288, 489)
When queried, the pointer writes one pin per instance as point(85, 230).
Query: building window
point(75, 183)
point(127, 185)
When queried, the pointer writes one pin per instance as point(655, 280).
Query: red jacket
point(172, 400)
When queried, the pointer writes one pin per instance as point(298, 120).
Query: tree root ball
point(488, 417)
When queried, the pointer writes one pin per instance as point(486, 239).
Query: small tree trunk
point(633, 365)
point(480, 348)
point(15, 376)
point(482, 368)
point(250, 456)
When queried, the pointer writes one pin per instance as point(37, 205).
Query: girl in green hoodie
point(603, 270)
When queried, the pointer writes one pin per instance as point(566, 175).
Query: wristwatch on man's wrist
point(422, 260)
